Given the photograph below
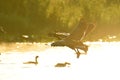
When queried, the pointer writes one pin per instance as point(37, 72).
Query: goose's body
point(32, 62)
point(62, 64)
point(73, 40)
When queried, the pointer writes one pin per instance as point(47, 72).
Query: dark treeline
point(34, 19)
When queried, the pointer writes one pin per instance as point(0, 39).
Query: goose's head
point(37, 57)
point(67, 63)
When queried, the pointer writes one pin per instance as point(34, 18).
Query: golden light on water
point(101, 62)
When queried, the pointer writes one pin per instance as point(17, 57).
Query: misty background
point(33, 20)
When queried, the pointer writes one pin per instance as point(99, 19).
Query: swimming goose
point(62, 64)
point(33, 62)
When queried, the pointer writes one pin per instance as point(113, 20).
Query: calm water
point(101, 63)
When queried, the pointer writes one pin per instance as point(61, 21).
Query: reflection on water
point(101, 62)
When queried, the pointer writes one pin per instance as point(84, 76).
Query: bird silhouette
point(74, 40)
point(33, 62)
point(62, 64)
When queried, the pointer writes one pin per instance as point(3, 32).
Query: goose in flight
point(74, 40)
point(33, 62)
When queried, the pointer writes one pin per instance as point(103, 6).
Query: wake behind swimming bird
point(33, 62)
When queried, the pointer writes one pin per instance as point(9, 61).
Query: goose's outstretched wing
point(59, 35)
point(82, 30)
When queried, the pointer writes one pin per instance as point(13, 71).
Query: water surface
point(101, 62)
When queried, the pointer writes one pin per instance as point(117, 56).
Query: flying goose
point(73, 40)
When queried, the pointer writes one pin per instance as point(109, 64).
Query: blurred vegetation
point(32, 20)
